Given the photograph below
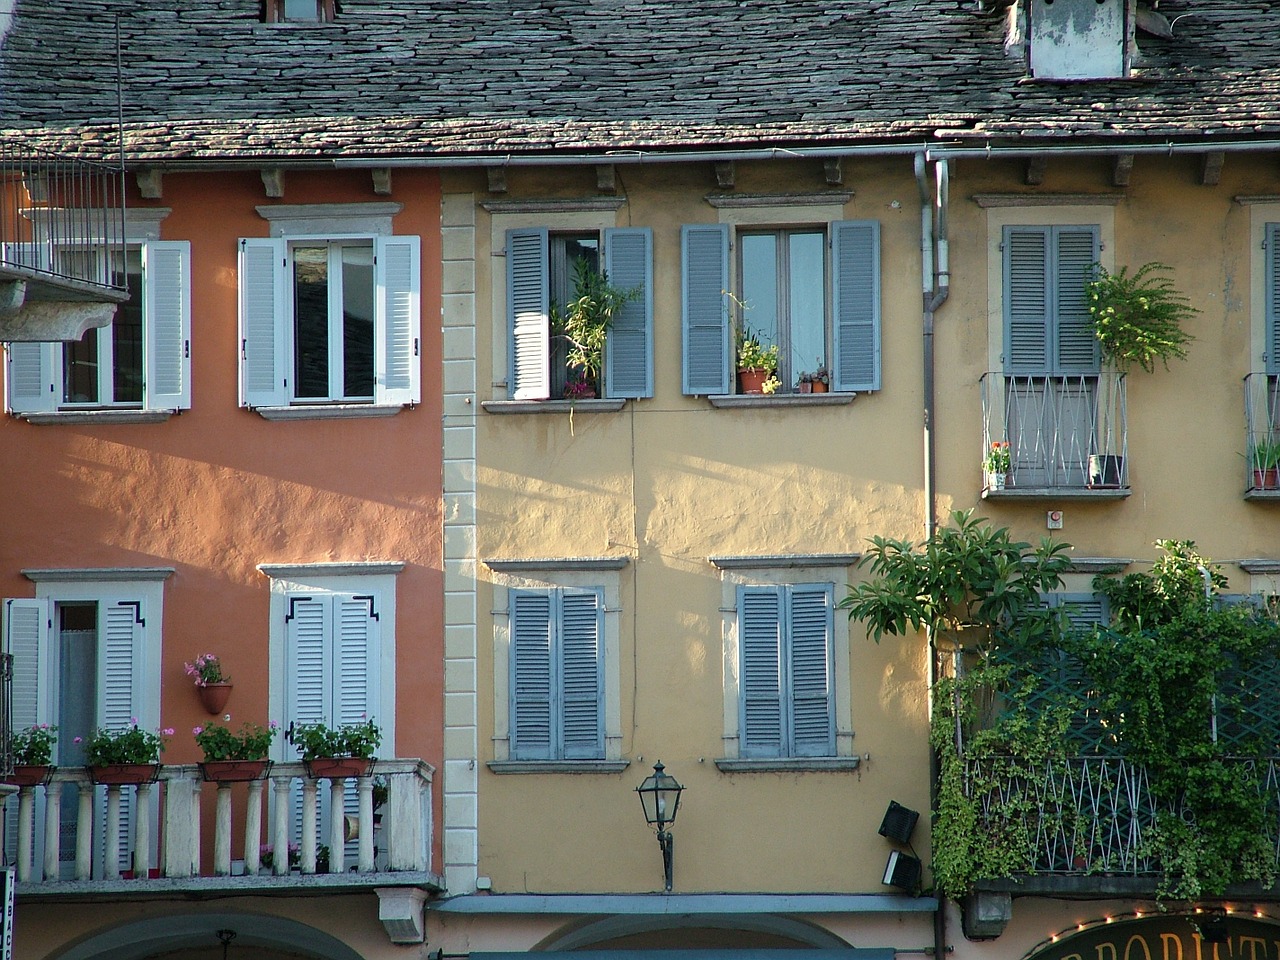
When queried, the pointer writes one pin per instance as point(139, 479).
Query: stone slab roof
point(208, 82)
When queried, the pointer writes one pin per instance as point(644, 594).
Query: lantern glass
point(660, 797)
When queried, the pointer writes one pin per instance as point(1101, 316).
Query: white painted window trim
point(294, 221)
point(738, 572)
point(533, 575)
point(377, 578)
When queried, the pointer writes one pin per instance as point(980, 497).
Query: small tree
point(1138, 317)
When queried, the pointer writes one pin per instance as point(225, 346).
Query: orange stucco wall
point(217, 490)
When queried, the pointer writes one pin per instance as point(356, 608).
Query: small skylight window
point(299, 11)
point(1078, 39)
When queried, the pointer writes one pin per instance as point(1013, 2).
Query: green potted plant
point(212, 684)
point(1138, 317)
point(584, 324)
point(128, 755)
point(344, 751)
point(233, 757)
point(1264, 463)
point(33, 755)
point(997, 464)
point(756, 362)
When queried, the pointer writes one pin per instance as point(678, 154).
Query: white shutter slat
point(528, 306)
point(355, 630)
point(629, 352)
point(581, 681)
point(31, 372)
point(306, 641)
point(704, 290)
point(263, 364)
point(24, 635)
point(531, 680)
point(1026, 300)
point(166, 270)
point(812, 708)
point(1075, 252)
point(760, 641)
point(855, 254)
point(397, 321)
point(121, 623)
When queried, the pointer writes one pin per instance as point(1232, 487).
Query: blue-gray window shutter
point(628, 263)
point(1075, 253)
point(855, 257)
point(760, 646)
point(1272, 295)
point(531, 678)
point(528, 310)
point(810, 668)
point(1026, 300)
point(1084, 610)
point(581, 682)
point(1048, 331)
point(704, 278)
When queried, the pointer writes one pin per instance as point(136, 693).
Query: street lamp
point(660, 798)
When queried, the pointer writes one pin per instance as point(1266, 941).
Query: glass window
point(784, 293)
point(333, 307)
point(105, 367)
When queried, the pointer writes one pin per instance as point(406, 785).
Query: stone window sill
point(69, 417)
point(558, 766)
point(788, 764)
point(606, 405)
point(829, 399)
point(326, 411)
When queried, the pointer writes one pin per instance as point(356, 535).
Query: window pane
point(357, 321)
point(80, 370)
point(565, 251)
point(301, 10)
point(311, 321)
point(77, 700)
point(126, 332)
point(808, 297)
point(760, 285)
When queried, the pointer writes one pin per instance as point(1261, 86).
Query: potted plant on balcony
point(1264, 462)
point(235, 757)
point(127, 756)
point(584, 323)
point(345, 751)
point(756, 362)
point(997, 464)
point(212, 684)
point(33, 755)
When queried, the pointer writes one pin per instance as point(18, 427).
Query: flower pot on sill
point(1105, 470)
point(1267, 479)
point(752, 379)
point(30, 774)
point(820, 387)
point(234, 771)
point(118, 774)
point(997, 481)
point(334, 768)
point(214, 696)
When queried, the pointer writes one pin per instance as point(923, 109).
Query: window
point(1078, 39)
point(540, 268)
point(329, 321)
point(299, 11)
point(812, 291)
point(556, 674)
point(140, 361)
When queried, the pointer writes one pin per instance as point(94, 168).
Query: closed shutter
point(122, 622)
point(356, 641)
point(855, 254)
point(1048, 330)
point(31, 377)
point(1272, 295)
point(397, 321)
point(760, 643)
point(308, 677)
point(25, 625)
point(629, 354)
point(1026, 300)
point(166, 272)
point(1084, 611)
point(1075, 253)
point(810, 666)
point(531, 679)
point(263, 365)
point(704, 291)
point(528, 305)
point(581, 682)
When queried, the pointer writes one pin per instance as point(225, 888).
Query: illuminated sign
point(1203, 936)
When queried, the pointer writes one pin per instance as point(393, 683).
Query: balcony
point(1067, 437)
point(1262, 437)
point(61, 853)
point(50, 205)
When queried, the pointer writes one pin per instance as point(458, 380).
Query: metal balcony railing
point(52, 204)
point(1061, 433)
point(58, 849)
point(1262, 433)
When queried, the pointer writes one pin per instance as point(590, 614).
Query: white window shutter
point(397, 321)
point(531, 675)
point(760, 651)
point(581, 683)
point(308, 681)
point(356, 658)
point(25, 626)
point(704, 296)
point(809, 670)
point(528, 306)
point(1272, 297)
point(32, 377)
point(166, 271)
point(264, 368)
point(855, 257)
point(122, 622)
point(629, 354)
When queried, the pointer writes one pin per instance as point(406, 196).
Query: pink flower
point(167, 731)
point(134, 721)
point(78, 740)
point(197, 730)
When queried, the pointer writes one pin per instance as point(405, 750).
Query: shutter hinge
point(137, 610)
point(415, 346)
point(186, 349)
point(1001, 246)
point(244, 345)
point(367, 596)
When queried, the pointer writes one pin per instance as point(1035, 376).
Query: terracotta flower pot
point(234, 771)
point(125, 773)
point(1267, 479)
point(335, 767)
point(214, 696)
point(820, 387)
point(30, 774)
point(752, 379)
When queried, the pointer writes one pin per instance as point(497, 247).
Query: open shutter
point(760, 641)
point(1026, 300)
point(704, 291)
point(1272, 296)
point(531, 675)
point(31, 377)
point(855, 256)
point(263, 365)
point(581, 681)
point(397, 321)
point(810, 666)
point(629, 354)
point(1075, 252)
point(528, 305)
point(166, 271)
point(25, 624)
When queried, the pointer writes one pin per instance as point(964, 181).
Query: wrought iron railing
point(51, 204)
point(1262, 432)
point(1061, 432)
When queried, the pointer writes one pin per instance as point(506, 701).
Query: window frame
point(274, 12)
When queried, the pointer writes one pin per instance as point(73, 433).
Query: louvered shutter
point(855, 255)
point(629, 353)
point(1075, 253)
point(1026, 300)
point(356, 642)
point(31, 377)
point(263, 364)
point(1084, 610)
point(810, 666)
point(528, 303)
point(397, 321)
point(166, 272)
point(1272, 295)
point(704, 291)
point(531, 679)
point(581, 682)
point(308, 679)
point(25, 624)
point(122, 622)
point(760, 643)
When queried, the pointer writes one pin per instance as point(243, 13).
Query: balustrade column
point(84, 830)
point(365, 862)
point(142, 831)
point(310, 801)
point(52, 830)
point(26, 831)
point(280, 826)
point(111, 840)
point(253, 829)
point(337, 825)
point(222, 832)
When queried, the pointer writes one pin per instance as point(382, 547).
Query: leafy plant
point(33, 746)
point(381, 792)
point(584, 321)
point(251, 743)
point(206, 669)
point(1265, 455)
point(754, 355)
point(315, 740)
point(998, 459)
point(1138, 316)
point(130, 745)
point(267, 855)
